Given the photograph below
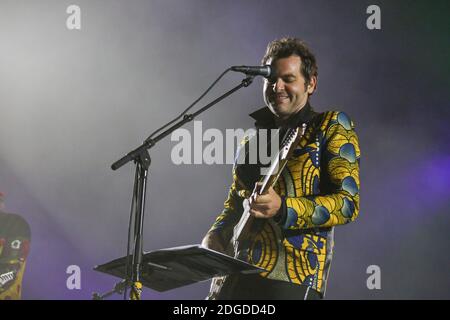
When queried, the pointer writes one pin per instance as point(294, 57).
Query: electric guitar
point(242, 231)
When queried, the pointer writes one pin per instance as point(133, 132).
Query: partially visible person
point(14, 248)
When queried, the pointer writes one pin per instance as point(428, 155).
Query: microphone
point(265, 71)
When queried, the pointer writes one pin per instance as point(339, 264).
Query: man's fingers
point(256, 213)
point(262, 198)
point(260, 206)
point(258, 186)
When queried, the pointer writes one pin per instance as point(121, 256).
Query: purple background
point(72, 102)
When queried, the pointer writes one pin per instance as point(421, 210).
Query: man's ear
point(312, 85)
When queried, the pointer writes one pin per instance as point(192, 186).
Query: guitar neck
point(271, 178)
point(268, 180)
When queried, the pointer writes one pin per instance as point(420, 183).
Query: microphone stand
point(141, 158)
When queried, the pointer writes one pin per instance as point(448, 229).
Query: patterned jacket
point(319, 188)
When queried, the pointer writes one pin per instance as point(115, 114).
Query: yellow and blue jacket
point(320, 189)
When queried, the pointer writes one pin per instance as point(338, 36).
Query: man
point(14, 248)
point(317, 190)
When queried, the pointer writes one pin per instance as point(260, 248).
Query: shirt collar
point(266, 119)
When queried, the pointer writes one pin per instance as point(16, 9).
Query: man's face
point(286, 94)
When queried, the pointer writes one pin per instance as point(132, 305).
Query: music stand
point(171, 268)
point(142, 159)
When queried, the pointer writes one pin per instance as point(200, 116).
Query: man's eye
point(271, 80)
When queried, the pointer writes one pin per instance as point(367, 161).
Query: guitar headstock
point(293, 135)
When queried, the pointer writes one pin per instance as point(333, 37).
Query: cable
point(188, 108)
point(135, 195)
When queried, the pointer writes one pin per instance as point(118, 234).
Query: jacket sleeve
point(233, 207)
point(231, 213)
point(338, 201)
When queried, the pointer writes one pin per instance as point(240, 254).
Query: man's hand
point(213, 242)
point(265, 205)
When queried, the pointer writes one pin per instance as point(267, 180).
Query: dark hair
point(288, 46)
